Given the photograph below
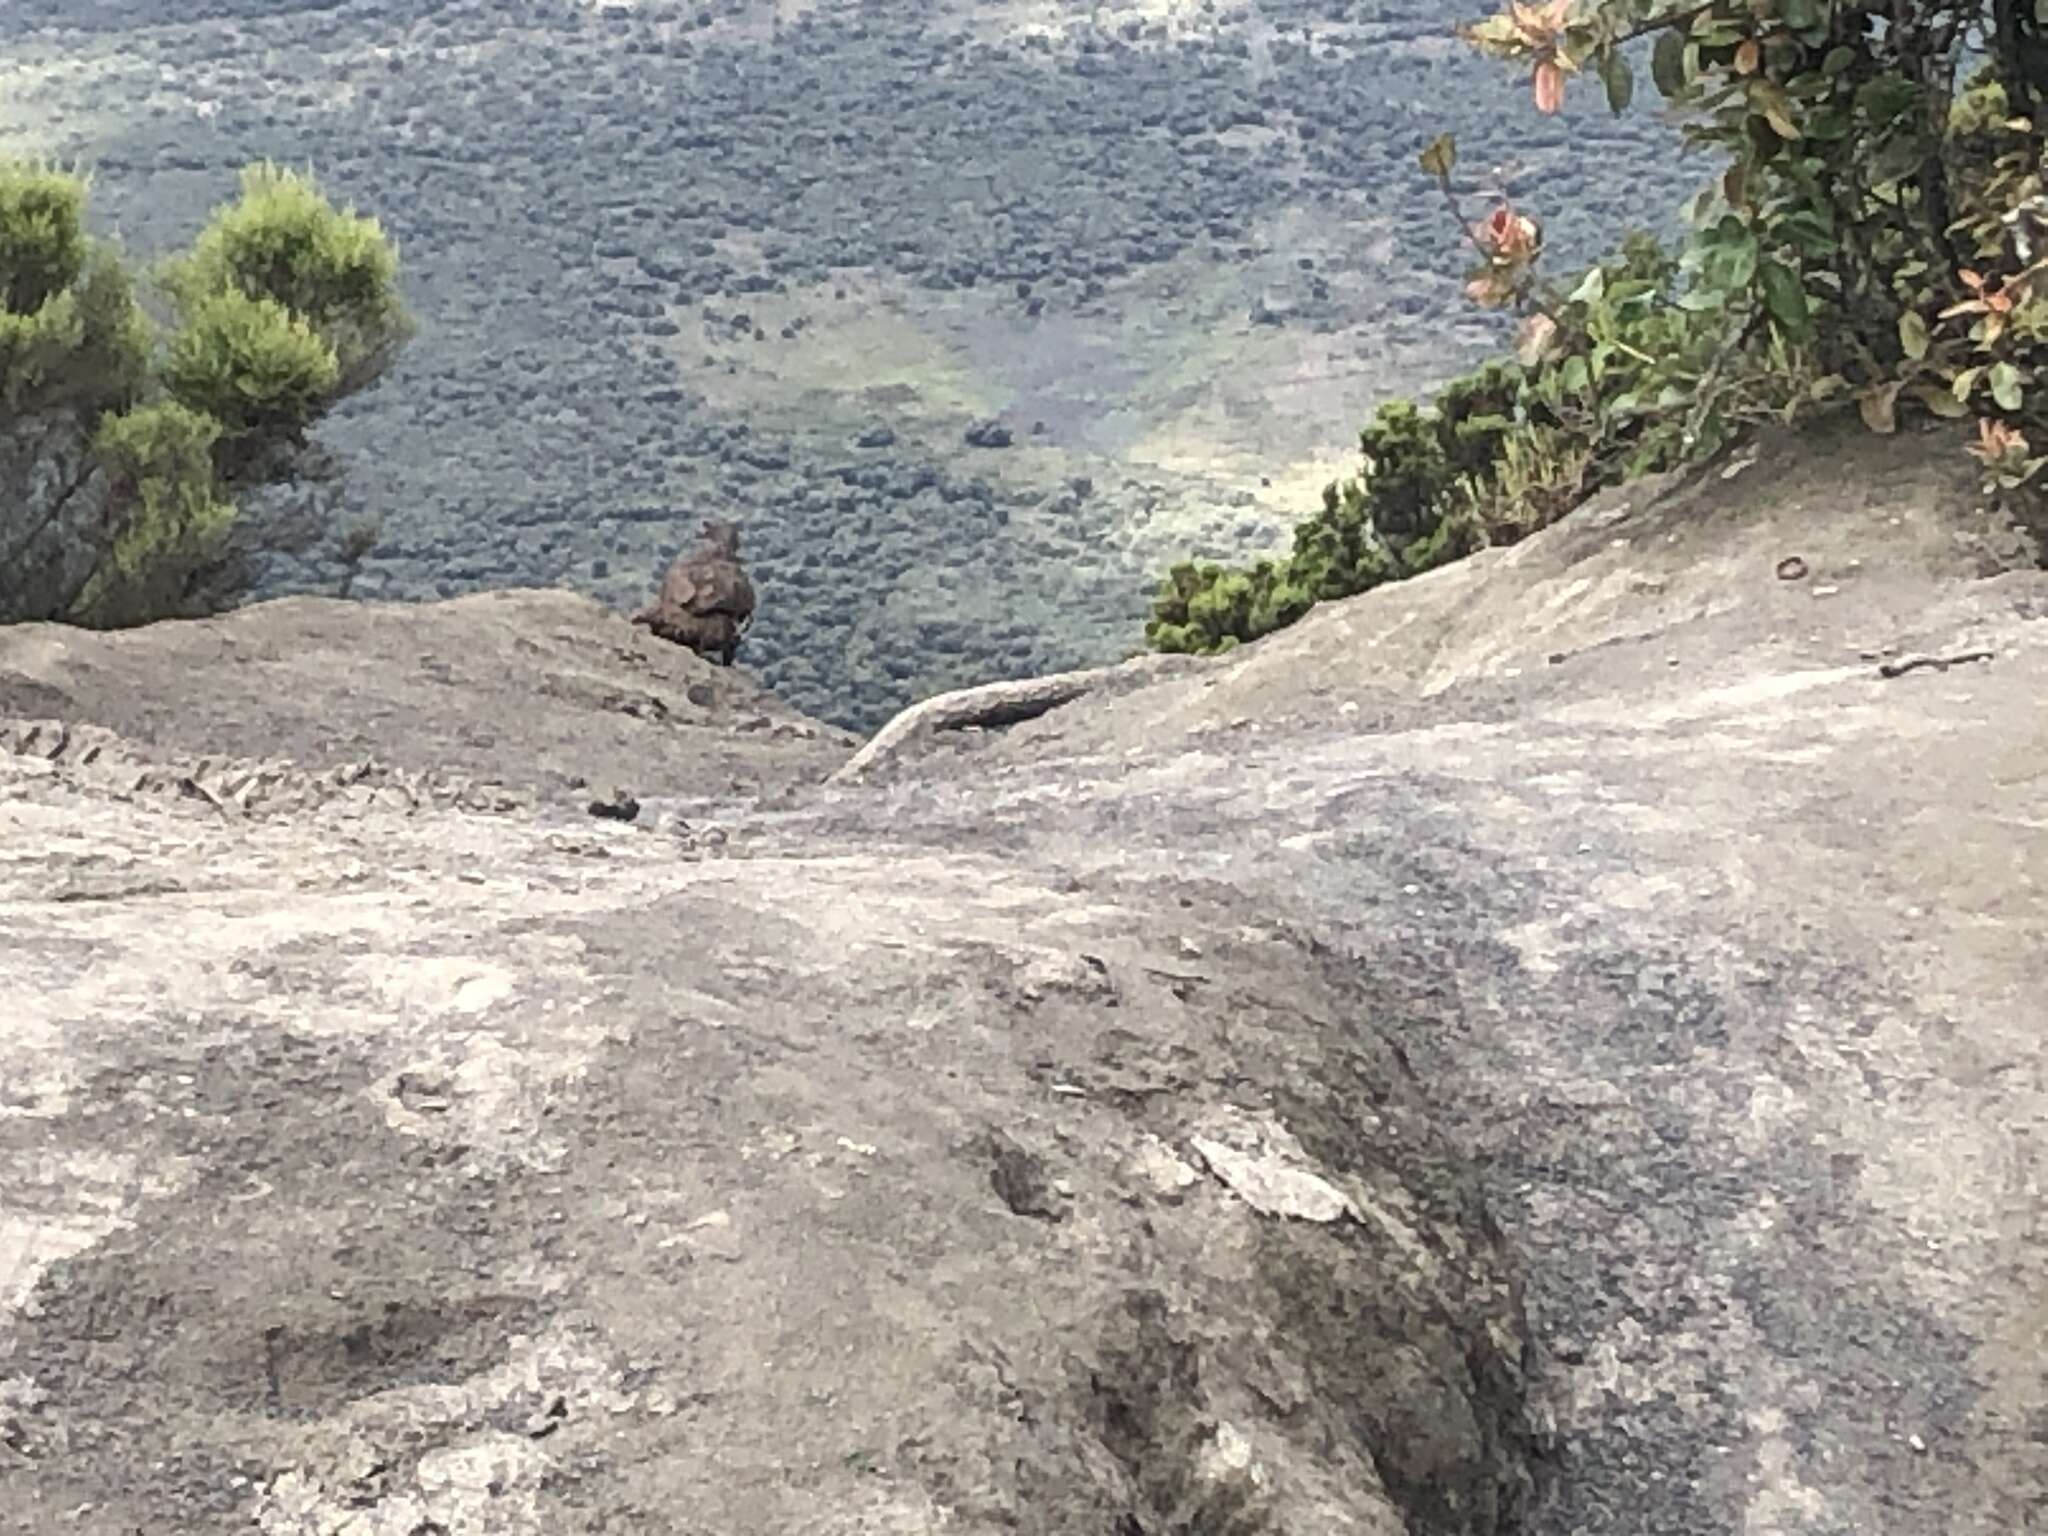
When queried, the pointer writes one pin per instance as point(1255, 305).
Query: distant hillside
point(675, 259)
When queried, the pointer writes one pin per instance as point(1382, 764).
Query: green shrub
point(123, 452)
point(1387, 521)
point(1205, 609)
point(158, 464)
point(43, 245)
point(71, 334)
point(284, 243)
point(1409, 509)
point(252, 365)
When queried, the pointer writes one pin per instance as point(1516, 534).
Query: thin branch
point(1709, 387)
point(1683, 18)
point(65, 610)
point(81, 474)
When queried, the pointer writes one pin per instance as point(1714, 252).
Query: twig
point(81, 473)
point(1709, 386)
point(1660, 23)
point(1907, 664)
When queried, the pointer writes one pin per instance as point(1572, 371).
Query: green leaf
point(1619, 79)
point(1785, 297)
point(1886, 99)
point(1591, 286)
point(1816, 222)
point(1742, 263)
point(1897, 159)
point(1913, 334)
point(2005, 386)
point(1828, 125)
point(1965, 382)
point(1667, 63)
point(1940, 401)
point(1441, 156)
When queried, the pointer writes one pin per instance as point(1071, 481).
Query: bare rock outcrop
point(1551, 1047)
point(529, 695)
point(476, 1172)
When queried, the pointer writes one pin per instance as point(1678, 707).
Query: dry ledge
point(1553, 1046)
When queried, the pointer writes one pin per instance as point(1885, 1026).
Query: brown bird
point(706, 601)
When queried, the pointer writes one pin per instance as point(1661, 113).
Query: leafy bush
point(1879, 234)
point(42, 239)
point(256, 368)
point(157, 459)
point(124, 449)
point(283, 243)
point(71, 335)
point(1205, 608)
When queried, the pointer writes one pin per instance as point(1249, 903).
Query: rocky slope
point(1554, 1047)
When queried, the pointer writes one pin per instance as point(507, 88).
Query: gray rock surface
point(526, 695)
point(1553, 1046)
